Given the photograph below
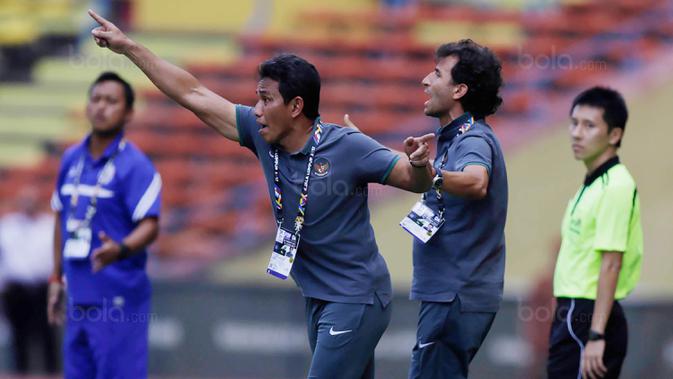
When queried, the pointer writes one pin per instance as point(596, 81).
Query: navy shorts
point(103, 342)
point(343, 337)
point(570, 332)
point(447, 340)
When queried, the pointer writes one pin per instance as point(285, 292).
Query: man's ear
point(296, 106)
point(459, 91)
point(615, 136)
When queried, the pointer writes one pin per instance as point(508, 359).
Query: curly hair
point(479, 69)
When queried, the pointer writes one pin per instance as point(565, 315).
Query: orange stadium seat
point(372, 64)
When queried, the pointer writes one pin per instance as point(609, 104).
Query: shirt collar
point(602, 169)
point(306, 150)
point(109, 151)
point(452, 129)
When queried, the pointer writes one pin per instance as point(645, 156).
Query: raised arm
point(178, 84)
point(472, 182)
point(413, 171)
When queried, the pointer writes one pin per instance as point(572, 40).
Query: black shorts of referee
point(570, 332)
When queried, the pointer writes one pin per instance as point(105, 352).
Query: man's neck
point(298, 136)
point(451, 115)
point(598, 161)
point(98, 143)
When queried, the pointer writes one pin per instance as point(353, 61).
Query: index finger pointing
point(427, 138)
point(99, 19)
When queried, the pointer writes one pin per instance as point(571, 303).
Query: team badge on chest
point(321, 167)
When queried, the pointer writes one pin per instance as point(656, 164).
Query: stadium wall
point(234, 332)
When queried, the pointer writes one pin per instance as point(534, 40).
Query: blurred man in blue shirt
point(107, 202)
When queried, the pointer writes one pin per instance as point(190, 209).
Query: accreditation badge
point(284, 253)
point(78, 244)
point(422, 222)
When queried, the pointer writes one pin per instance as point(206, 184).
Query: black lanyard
point(303, 198)
point(437, 186)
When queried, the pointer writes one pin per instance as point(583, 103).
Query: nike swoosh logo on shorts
point(333, 332)
point(422, 345)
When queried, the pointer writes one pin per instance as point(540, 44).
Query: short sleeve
point(56, 201)
point(372, 161)
point(473, 150)
point(613, 218)
point(247, 126)
point(142, 194)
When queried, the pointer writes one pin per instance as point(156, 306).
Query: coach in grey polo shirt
point(458, 273)
point(338, 257)
point(467, 255)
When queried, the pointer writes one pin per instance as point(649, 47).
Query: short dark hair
point(615, 113)
point(480, 70)
point(295, 77)
point(109, 76)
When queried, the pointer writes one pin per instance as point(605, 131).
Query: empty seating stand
point(371, 63)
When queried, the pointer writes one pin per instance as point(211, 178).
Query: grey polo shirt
point(466, 257)
point(338, 259)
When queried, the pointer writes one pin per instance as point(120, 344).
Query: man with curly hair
point(458, 272)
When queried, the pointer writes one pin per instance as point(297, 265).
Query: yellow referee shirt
point(604, 215)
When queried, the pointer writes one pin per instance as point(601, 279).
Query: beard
point(433, 113)
point(113, 132)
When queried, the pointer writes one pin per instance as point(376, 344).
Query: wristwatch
point(437, 181)
point(595, 336)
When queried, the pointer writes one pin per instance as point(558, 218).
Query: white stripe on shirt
point(148, 199)
point(86, 190)
point(56, 204)
point(569, 318)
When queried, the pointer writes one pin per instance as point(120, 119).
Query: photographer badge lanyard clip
point(287, 241)
point(78, 244)
point(422, 222)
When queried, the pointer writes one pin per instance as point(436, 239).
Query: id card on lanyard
point(78, 243)
point(422, 221)
point(286, 244)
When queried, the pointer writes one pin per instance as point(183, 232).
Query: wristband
point(53, 278)
point(595, 336)
point(124, 251)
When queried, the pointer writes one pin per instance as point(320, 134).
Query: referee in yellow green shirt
point(602, 246)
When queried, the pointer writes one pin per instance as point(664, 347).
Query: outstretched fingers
point(100, 19)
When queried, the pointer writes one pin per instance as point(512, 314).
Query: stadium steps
point(527, 110)
point(353, 59)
